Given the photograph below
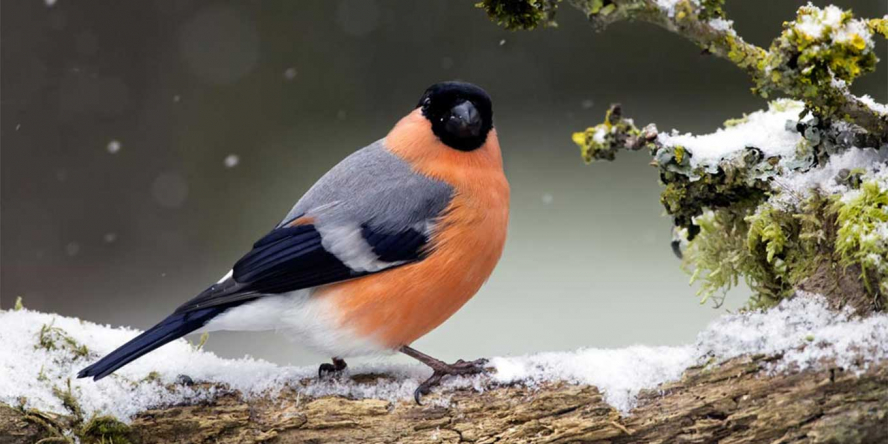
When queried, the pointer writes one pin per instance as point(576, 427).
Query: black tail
point(173, 327)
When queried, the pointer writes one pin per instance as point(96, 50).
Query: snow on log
point(799, 371)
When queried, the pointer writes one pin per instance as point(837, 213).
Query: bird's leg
point(333, 369)
point(441, 369)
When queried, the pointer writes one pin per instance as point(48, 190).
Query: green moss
point(203, 341)
point(53, 425)
point(769, 230)
point(41, 376)
point(862, 237)
point(710, 9)
point(152, 376)
point(770, 248)
point(520, 14)
point(54, 338)
point(104, 429)
point(69, 401)
point(716, 258)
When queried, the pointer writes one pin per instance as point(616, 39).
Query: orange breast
point(398, 306)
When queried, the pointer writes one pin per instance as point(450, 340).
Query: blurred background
point(146, 145)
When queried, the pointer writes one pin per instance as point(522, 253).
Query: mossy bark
point(735, 401)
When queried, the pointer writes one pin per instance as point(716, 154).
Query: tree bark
point(738, 401)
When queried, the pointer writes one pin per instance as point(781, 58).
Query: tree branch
point(771, 70)
point(816, 67)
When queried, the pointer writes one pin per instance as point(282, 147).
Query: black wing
point(293, 258)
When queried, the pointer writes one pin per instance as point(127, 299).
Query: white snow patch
point(765, 130)
point(726, 26)
point(599, 135)
point(805, 331)
point(798, 185)
point(815, 21)
point(854, 29)
point(875, 106)
point(802, 330)
point(668, 6)
point(618, 373)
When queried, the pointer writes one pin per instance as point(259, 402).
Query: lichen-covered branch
point(762, 201)
point(739, 399)
point(792, 197)
point(814, 60)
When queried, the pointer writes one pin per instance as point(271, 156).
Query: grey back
point(373, 186)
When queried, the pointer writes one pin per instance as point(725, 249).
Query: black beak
point(464, 120)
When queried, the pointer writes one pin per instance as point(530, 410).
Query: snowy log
point(735, 401)
point(797, 372)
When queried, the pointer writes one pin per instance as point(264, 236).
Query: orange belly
point(396, 307)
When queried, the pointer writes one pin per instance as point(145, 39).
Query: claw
point(459, 368)
point(333, 369)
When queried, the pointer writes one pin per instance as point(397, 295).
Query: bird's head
point(449, 133)
point(461, 114)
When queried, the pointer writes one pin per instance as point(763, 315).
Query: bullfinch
point(381, 250)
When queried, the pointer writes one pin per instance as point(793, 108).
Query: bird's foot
point(458, 368)
point(441, 369)
point(332, 370)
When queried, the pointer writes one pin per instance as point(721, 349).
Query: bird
point(381, 250)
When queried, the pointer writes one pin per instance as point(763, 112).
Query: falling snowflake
point(231, 160)
point(72, 249)
point(113, 146)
